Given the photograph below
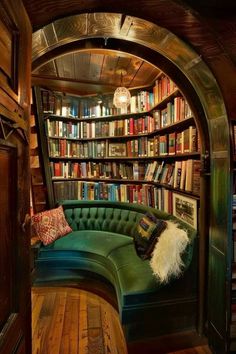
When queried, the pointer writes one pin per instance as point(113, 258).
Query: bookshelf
point(92, 151)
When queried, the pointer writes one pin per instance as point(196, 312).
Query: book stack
point(145, 194)
point(142, 102)
point(163, 87)
point(187, 176)
point(112, 170)
point(186, 141)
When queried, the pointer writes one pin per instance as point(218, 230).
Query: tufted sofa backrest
point(110, 216)
point(102, 218)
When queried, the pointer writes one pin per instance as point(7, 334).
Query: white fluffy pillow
point(166, 257)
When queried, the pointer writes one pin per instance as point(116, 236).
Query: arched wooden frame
point(162, 48)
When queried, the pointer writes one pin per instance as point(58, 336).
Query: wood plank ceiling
point(95, 71)
point(89, 69)
point(209, 27)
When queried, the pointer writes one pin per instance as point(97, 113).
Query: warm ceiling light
point(122, 95)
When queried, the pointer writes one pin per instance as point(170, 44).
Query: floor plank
point(67, 320)
point(74, 321)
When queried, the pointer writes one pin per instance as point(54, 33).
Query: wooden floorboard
point(73, 321)
point(67, 320)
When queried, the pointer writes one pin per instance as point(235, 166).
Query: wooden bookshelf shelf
point(177, 126)
point(126, 181)
point(91, 119)
point(159, 105)
point(139, 144)
point(117, 137)
point(159, 157)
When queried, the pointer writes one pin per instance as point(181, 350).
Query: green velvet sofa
point(101, 245)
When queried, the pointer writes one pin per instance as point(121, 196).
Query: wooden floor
point(67, 320)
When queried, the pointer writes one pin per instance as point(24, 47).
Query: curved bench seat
point(101, 243)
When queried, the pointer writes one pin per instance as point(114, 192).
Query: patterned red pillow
point(50, 225)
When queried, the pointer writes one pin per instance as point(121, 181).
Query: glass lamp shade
point(121, 97)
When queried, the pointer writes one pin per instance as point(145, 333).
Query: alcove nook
point(158, 46)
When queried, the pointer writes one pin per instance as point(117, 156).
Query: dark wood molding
point(147, 54)
point(8, 127)
point(8, 21)
point(44, 160)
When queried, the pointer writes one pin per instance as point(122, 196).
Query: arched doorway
point(162, 48)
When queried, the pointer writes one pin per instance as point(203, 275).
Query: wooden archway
point(196, 81)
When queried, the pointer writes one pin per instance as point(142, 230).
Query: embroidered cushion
point(50, 225)
point(147, 232)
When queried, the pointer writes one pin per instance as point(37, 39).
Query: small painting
point(185, 208)
point(117, 149)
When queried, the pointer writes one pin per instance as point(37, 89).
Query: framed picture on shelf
point(117, 150)
point(185, 208)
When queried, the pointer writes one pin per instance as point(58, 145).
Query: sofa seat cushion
point(92, 241)
point(137, 283)
point(134, 274)
point(73, 263)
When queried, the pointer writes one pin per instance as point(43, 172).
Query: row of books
point(121, 127)
point(143, 101)
point(163, 87)
point(187, 176)
point(184, 175)
point(175, 111)
point(143, 146)
point(75, 106)
point(179, 142)
point(145, 194)
point(88, 107)
point(104, 170)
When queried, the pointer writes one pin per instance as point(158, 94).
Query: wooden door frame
point(12, 325)
point(14, 128)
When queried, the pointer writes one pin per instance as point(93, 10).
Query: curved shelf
point(102, 118)
point(177, 126)
point(126, 181)
point(160, 114)
point(101, 137)
point(157, 106)
point(160, 157)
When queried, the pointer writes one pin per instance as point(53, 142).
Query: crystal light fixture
point(122, 95)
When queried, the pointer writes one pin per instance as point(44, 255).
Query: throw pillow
point(148, 230)
point(166, 261)
point(50, 225)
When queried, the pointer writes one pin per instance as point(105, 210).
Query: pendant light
point(122, 95)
